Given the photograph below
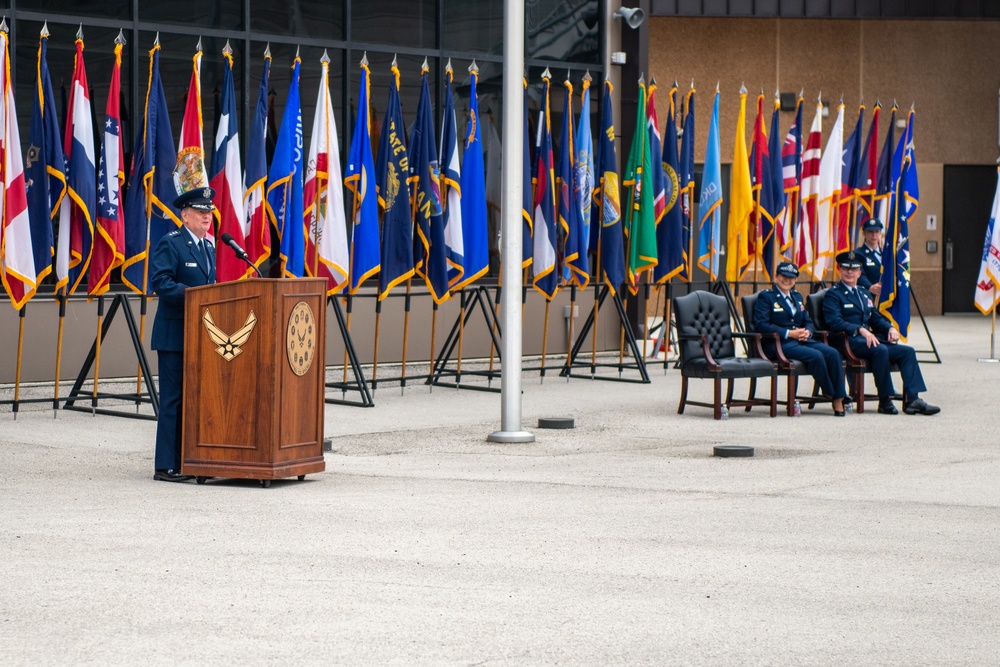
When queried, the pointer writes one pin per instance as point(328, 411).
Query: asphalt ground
point(864, 540)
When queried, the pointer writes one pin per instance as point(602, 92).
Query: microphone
point(228, 239)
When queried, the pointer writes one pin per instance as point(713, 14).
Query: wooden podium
point(254, 379)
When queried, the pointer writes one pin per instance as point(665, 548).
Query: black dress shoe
point(919, 406)
point(887, 408)
point(170, 476)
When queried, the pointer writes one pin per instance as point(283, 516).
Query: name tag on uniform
point(192, 264)
point(848, 305)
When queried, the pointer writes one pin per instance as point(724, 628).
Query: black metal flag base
point(120, 303)
point(487, 306)
point(637, 363)
point(359, 384)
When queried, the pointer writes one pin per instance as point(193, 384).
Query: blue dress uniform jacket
point(773, 314)
point(847, 313)
point(177, 264)
point(871, 266)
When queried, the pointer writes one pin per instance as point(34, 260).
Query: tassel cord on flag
point(545, 340)
point(97, 355)
point(20, 349)
point(406, 334)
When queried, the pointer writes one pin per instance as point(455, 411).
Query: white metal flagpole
point(510, 213)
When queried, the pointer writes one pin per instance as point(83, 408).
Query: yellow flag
point(740, 201)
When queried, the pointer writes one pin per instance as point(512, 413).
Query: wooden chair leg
point(752, 394)
point(729, 391)
point(774, 395)
point(684, 394)
point(717, 398)
point(859, 392)
point(792, 387)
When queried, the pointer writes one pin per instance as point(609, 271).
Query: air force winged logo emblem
point(229, 346)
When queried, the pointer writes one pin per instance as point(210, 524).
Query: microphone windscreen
point(227, 238)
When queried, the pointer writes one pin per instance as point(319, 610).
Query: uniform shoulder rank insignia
point(174, 233)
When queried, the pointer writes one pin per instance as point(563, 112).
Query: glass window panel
point(300, 18)
point(176, 62)
point(563, 30)
point(395, 22)
point(473, 26)
point(111, 9)
point(226, 14)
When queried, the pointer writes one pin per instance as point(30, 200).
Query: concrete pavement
point(865, 540)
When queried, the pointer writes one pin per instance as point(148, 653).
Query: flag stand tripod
point(150, 396)
point(478, 295)
point(360, 384)
point(639, 363)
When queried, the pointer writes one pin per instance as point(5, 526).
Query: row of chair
point(705, 340)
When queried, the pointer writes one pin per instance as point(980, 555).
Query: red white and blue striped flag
point(109, 241)
point(227, 180)
point(76, 216)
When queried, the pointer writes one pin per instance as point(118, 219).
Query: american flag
point(109, 241)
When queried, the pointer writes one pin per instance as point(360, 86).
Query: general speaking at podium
point(183, 258)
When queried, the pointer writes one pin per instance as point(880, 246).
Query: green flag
point(640, 220)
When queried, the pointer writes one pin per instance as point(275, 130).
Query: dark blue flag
point(475, 230)
point(391, 174)
point(149, 213)
point(686, 175)
point(670, 230)
point(44, 167)
point(611, 255)
point(425, 177)
point(285, 204)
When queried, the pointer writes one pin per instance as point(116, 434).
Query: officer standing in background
point(781, 310)
point(849, 308)
point(183, 258)
point(871, 257)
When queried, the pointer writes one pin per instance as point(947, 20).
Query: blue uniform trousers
point(881, 357)
point(168, 423)
point(822, 362)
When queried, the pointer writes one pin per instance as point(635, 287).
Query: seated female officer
point(781, 310)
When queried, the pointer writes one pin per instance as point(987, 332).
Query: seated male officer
point(849, 309)
point(183, 258)
point(782, 311)
point(871, 257)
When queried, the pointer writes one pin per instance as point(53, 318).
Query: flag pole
point(461, 338)
point(61, 298)
point(434, 322)
point(597, 300)
point(148, 192)
point(569, 327)
point(666, 326)
point(17, 373)
point(97, 354)
point(513, 168)
point(378, 322)
point(406, 334)
point(545, 340)
point(993, 332)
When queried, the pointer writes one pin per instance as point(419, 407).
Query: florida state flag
point(189, 172)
